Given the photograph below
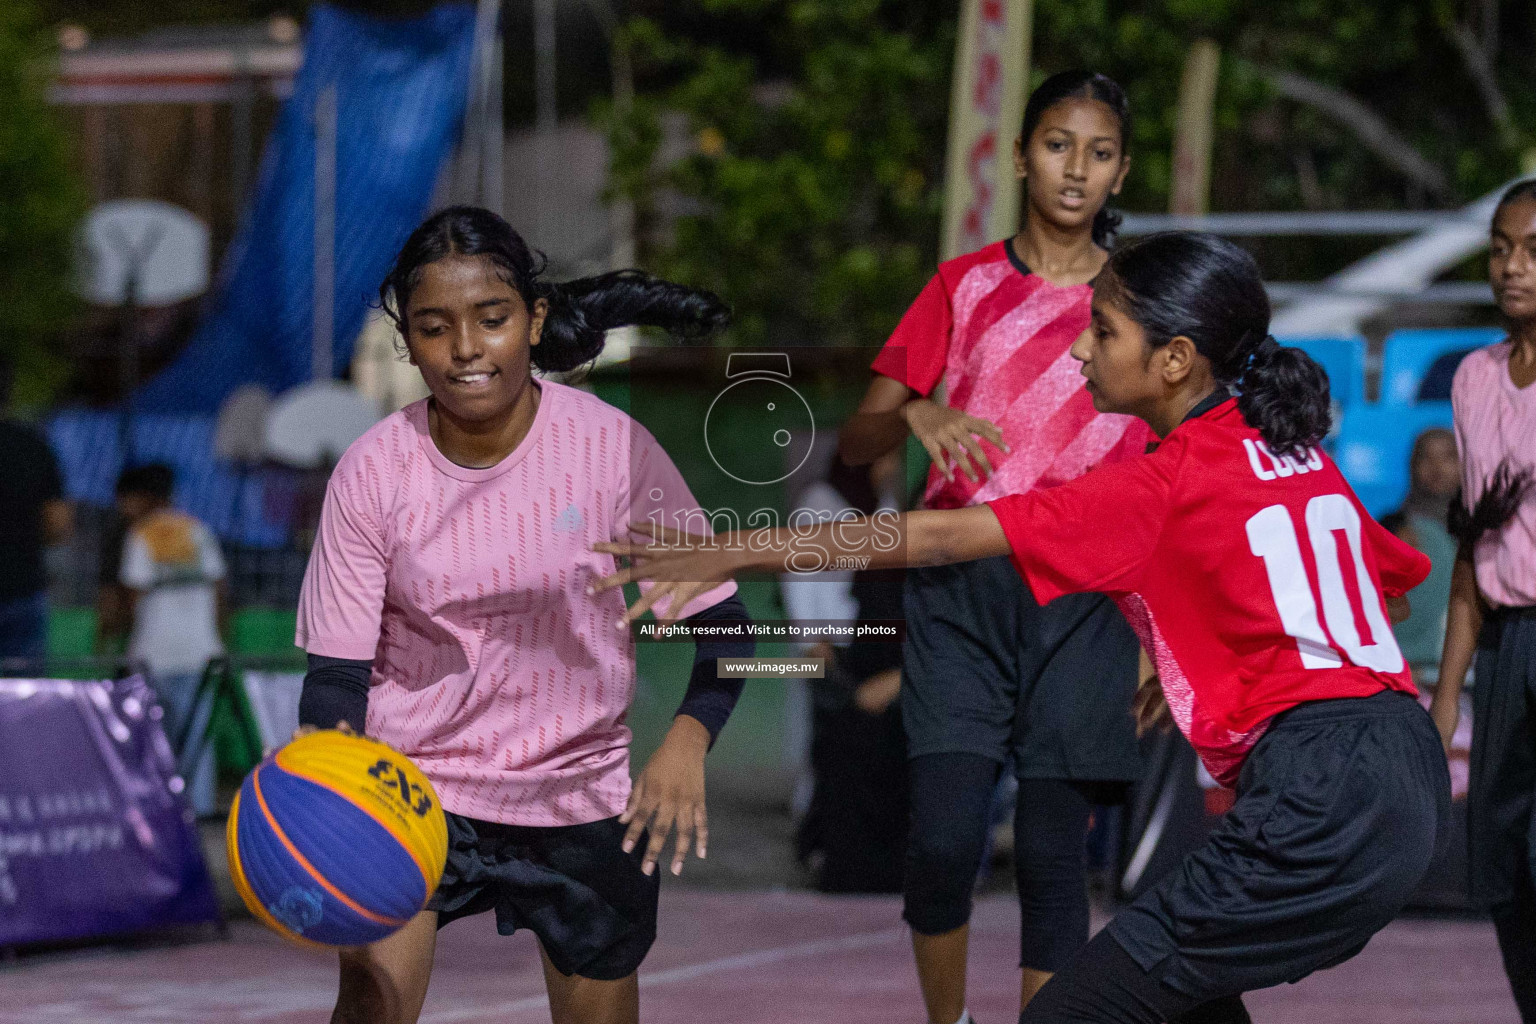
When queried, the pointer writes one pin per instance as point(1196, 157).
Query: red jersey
point(1256, 583)
point(999, 337)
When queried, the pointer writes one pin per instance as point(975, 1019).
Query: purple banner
point(95, 839)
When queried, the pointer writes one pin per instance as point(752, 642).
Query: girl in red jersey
point(991, 676)
point(1260, 586)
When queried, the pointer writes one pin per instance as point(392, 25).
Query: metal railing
point(1322, 222)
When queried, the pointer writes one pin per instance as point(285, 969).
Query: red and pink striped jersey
point(493, 668)
point(1255, 583)
point(999, 337)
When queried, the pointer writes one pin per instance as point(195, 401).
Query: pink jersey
point(1495, 423)
point(493, 669)
point(1000, 337)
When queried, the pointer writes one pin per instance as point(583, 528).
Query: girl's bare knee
point(386, 983)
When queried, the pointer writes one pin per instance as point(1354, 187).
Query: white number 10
point(1272, 537)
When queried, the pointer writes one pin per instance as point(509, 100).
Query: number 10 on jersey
point(1272, 536)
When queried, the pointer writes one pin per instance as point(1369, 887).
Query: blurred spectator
point(112, 608)
point(172, 572)
point(854, 833)
point(1434, 478)
point(33, 515)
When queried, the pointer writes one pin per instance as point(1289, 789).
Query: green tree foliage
point(41, 205)
point(812, 186)
point(815, 163)
point(1414, 64)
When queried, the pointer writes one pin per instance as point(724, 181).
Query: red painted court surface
point(750, 958)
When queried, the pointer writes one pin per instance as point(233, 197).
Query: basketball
point(336, 840)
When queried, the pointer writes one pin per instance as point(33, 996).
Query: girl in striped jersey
point(991, 676)
point(446, 609)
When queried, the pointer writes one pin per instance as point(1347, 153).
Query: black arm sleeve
point(335, 690)
point(711, 699)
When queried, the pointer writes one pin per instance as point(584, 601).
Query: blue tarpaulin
point(256, 508)
point(402, 87)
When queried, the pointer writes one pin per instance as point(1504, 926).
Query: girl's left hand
point(877, 693)
point(680, 566)
point(670, 791)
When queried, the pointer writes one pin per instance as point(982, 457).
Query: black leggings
point(951, 813)
point(1103, 985)
point(1515, 924)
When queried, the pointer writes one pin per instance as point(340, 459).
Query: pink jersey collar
point(416, 414)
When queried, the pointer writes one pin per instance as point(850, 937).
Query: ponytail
point(581, 312)
point(1283, 394)
point(1106, 225)
point(1209, 290)
point(1493, 509)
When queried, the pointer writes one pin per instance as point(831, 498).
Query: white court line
point(260, 999)
point(179, 1002)
point(758, 958)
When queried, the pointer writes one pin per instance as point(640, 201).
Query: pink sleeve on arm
point(1463, 396)
point(342, 598)
point(658, 494)
point(917, 349)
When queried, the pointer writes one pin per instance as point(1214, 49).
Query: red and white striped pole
point(981, 203)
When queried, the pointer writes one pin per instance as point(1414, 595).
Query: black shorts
point(571, 885)
point(1501, 829)
point(1340, 808)
point(986, 670)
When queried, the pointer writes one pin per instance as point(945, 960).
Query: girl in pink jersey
point(995, 326)
point(1263, 590)
point(1492, 610)
point(446, 609)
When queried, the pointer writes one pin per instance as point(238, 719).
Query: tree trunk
point(1368, 126)
point(1480, 66)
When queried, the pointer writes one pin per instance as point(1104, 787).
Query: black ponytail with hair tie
point(1209, 290)
point(1258, 356)
point(581, 312)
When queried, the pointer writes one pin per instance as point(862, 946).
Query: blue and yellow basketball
point(336, 840)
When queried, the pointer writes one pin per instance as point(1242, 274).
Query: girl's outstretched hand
point(952, 438)
point(681, 566)
point(670, 792)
